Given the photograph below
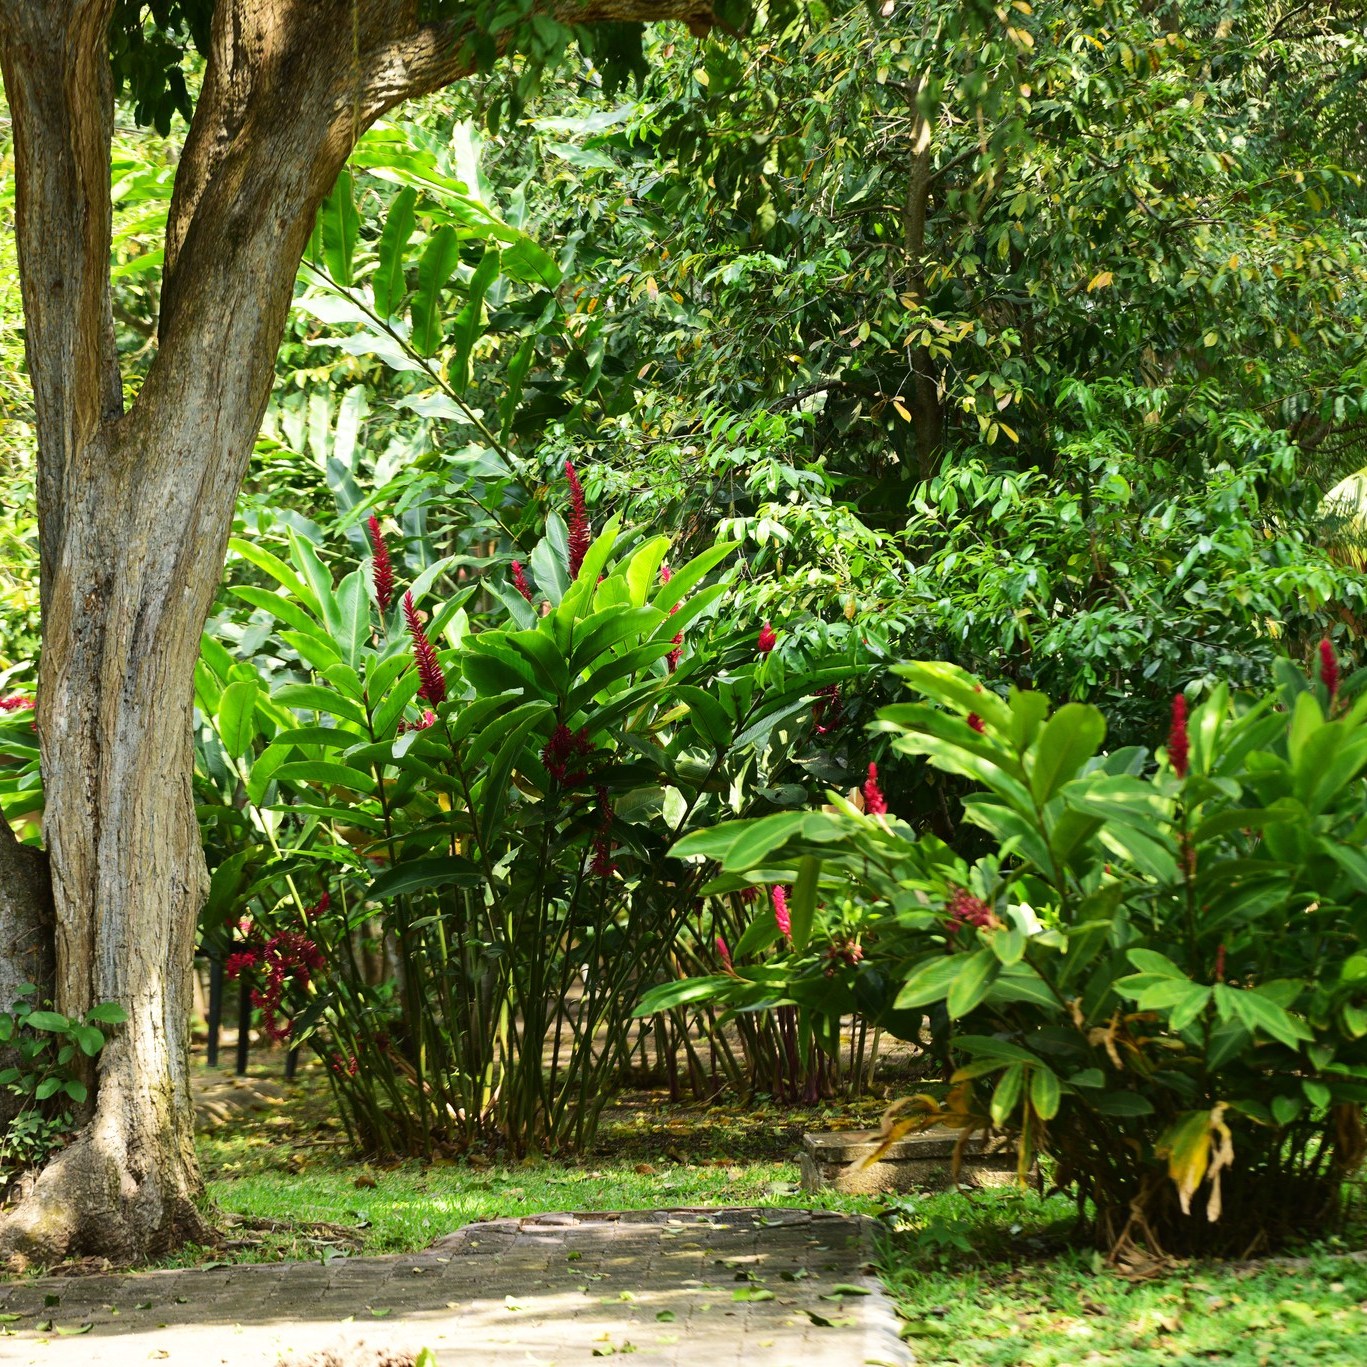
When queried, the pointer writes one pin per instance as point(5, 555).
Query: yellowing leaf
point(1197, 1146)
point(902, 409)
point(1099, 281)
point(1010, 432)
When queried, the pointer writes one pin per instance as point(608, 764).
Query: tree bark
point(26, 932)
point(135, 509)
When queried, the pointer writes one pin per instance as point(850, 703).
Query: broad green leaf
point(439, 260)
point(977, 972)
point(1007, 1093)
point(339, 223)
point(236, 719)
point(643, 568)
point(419, 875)
point(278, 570)
point(469, 320)
point(928, 982)
point(688, 576)
point(328, 774)
point(315, 698)
point(740, 845)
point(287, 609)
point(1045, 1092)
point(1069, 739)
point(667, 996)
point(802, 904)
point(387, 284)
point(353, 617)
point(958, 689)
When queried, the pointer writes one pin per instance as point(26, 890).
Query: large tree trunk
point(135, 509)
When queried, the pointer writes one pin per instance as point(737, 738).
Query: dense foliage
point(1026, 337)
point(1155, 976)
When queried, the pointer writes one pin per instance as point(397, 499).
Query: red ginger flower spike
point(579, 521)
point(666, 574)
point(433, 688)
point(976, 722)
point(381, 567)
point(782, 916)
point(724, 953)
point(16, 702)
point(874, 802)
point(1329, 668)
point(520, 581)
point(1178, 745)
point(767, 639)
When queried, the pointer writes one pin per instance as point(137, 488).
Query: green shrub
point(488, 813)
point(1156, 976)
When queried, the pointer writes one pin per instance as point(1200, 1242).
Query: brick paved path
point(715, 1288)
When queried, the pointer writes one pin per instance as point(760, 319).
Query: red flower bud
point(381, 567)
point(767, 639)
point(874, 802)
point(724, 953)
point(1178, 745)
point(580, 537)
point(976, 722)
point(1329, 667)
point(433, 688)
point(782, 916)
point(520, 581)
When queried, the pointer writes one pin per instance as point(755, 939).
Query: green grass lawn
point(283, 1172)
point(992, 1280)
point(988, 1279)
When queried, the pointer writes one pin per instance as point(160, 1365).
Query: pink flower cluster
point(16, 702)
point(427, 719)
point(845, 950)
point(966, 910)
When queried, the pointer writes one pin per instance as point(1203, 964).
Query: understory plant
point(1156, 974)
point(441, 837)
point(46, 1052)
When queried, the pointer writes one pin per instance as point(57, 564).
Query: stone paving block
point(504, 1290)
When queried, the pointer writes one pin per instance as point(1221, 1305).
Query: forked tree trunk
point(135, 508)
